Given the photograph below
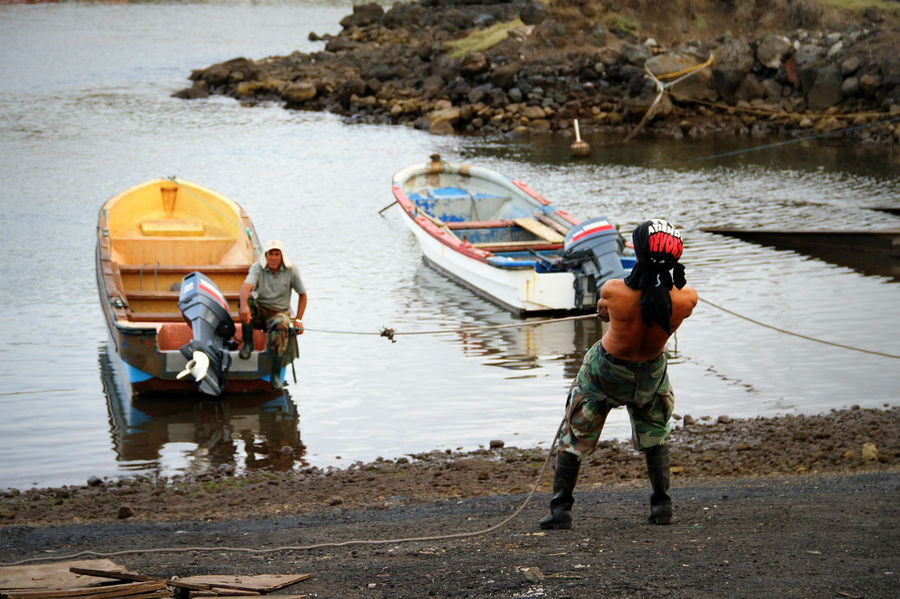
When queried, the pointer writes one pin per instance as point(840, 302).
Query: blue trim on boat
point(135, 375)
point(511, 263)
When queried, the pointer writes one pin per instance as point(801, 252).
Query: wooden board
point(172, 227)
point(131, 590)
point(517, 246)
point(539, 229)
point(53, 576)
point(261, 583)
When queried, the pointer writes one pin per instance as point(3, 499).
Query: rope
point(459, 535)
point(663, 88)
point(793, 141)
point(391, 333)
point(786, 332)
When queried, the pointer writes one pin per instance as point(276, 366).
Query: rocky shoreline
point(840, 442)
point(521, 67)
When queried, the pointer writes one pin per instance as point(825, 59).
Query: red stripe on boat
point(604, 226)
point(565, 215)
point(531, 192)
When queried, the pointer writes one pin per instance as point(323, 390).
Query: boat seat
point(480, 224)
point(539, 229)
point(169, 295)
point(172, 227)
point(186, 269)
point(170, 249)
point(517, 246)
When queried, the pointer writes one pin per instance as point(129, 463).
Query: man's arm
point(243, 302)
point(603, 303)
point(301, 308)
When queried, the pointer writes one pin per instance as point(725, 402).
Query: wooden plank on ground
point(131, 576)
point(129, 590)
point(218, 596)
point(53, 576)
point(260, 583)
point(539, 229)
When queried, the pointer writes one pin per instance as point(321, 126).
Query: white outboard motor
point(206, 311)
point(592, 251)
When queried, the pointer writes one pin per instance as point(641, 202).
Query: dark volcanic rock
point(574, 60)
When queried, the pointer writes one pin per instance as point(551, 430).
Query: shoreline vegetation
point(840, 442)
point(686, 68)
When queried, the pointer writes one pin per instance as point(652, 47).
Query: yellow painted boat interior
point(162, 230)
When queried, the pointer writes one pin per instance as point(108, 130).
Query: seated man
point(265, 303)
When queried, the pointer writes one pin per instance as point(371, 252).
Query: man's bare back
point(628, 337)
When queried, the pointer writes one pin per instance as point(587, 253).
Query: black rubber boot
point(658, 471)
point(567, 465)
point(275, 376)
point(247, 334)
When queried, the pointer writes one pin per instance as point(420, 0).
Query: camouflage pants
point(277, 324)
point(605, 382)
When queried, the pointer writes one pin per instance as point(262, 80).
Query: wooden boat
point(149, 238)
point(505, 241)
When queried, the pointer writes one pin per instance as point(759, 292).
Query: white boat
point(506, 242)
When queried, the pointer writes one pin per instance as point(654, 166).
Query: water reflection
point(519, 349)
point(165, 434)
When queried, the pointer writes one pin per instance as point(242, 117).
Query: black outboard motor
point(592, 251)
point(206, 311)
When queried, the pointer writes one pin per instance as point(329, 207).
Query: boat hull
point(518, 291)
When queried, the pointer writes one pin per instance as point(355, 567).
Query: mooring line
point(808, 338)
point(391, 333)
point(252, 550)
point(793, 141)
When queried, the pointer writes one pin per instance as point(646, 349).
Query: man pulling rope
point(627, 367)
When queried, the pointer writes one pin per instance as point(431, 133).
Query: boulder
point(504, 75)
point(364, 14)
point(635, 54)
point(432, 86)
point(299, 92)
point(404, 15)
point(734, 60)
point(474, 63)
point(698, 85)
point(826, 91)
point(533, 12)
point(215, 76)
point(442, 119)
point(890, 72)
point(869, 83)
point(772, 50)
point(199, 90)
point(749, 89)
point(850, 65)
point(850, 86)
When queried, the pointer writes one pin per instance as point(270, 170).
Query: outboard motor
point(204, 308)
point(592, 251)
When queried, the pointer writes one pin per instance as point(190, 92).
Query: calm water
point(85, 112)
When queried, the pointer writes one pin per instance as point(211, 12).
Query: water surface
point(86, 112)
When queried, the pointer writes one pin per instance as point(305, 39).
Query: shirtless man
point(627, 367)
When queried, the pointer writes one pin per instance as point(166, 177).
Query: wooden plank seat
point(172, 227)
point(539, 229)
point(179, 268)
point(537, 245)
point(149, 295)
point(480, 224)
